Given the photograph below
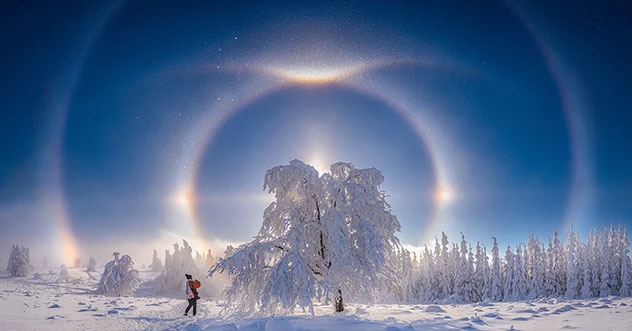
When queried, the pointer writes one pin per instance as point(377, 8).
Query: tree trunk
point(339, 305)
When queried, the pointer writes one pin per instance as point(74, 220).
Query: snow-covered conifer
point(446, 275)
point(210, 259)
point(63, 273)
point(92, 264)
point(585, 290)
point(479, 276)
point(409, 290)
point(509, 291)
point(626, 266)
point(171, 280)
point(19, 264)
point(550, 272)
point(572, 266)
point(471, 293)
point(495, 287)
point(156, 264)
point(463, 273)
point(427, 292)
point(229, 251)
point(519, 286)
point(559, 265)
point(606, 278)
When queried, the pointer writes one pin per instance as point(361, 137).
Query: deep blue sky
point(119, 95)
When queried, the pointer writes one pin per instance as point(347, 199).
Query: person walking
point(192, 294)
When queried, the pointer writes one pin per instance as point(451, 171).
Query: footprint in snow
point(55, 306)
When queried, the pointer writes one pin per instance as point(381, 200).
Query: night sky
point(130, 125)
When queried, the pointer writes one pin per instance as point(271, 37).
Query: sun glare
point(183, 199)
point(313, 75)
point(444, 195)
point(319, 164)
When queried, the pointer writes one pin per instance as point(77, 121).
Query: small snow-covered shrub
point(119, 277)
point(92, 264)
point(19, 264)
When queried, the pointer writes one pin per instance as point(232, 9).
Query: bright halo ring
point(443, 192)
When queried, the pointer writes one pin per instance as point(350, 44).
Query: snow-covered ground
point(45, 304)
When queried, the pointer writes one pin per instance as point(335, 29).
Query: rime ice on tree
point(19, 264)
point(156, 264)
point(92, 264)
point(119, 277)
point(324, 237)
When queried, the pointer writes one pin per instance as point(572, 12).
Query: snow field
point(30, 304)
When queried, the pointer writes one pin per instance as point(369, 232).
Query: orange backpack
point(196, 284)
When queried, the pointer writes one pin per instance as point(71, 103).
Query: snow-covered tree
point(323, 237)
point(599, 267)
point(119, 277)
point(63, 274)
point(444, 268)
point(626, 266)
point(463, 273)
point(535, 269)
point(77, 263)
point(171, 280)
point(19, 264)
point(210, 259)
point(559, 266)
point(229, 251)
point(92, 265)
point(509, 274)
point(520, 282)
point(585, 290)
point(409, 292)
point(156, 264)
point(573, 273)
point(426, 274)
point(495, 286)
point(479, 275)
point(595, 254)
point(550, 273)
point(605, 284)
point(200, 259)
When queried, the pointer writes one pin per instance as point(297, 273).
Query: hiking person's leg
point(191, 303)
point(195, 306)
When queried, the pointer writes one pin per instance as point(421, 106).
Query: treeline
point(454, 272)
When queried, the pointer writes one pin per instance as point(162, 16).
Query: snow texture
point(29, 304)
